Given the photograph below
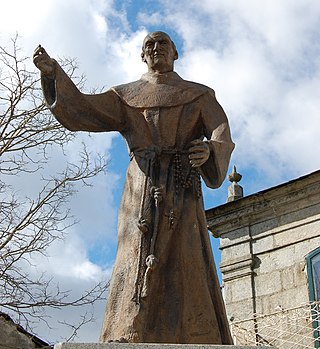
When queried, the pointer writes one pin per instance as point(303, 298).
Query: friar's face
point(159, 52)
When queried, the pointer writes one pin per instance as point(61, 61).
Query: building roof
point(39, 343)
point(251, 207)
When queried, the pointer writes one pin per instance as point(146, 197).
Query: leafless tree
point(29, 224)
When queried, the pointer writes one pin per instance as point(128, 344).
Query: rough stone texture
point(265, 238)
point(148, 346)
point(14, 336)
point(235, 191)
point(10, 337)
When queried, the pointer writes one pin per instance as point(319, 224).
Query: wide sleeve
point(217, 131)
point(82, 112)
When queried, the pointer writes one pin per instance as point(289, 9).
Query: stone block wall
point(264, 239)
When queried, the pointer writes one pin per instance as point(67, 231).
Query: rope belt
point(182, 180)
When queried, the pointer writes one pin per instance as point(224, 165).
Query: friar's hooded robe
point(164, 286)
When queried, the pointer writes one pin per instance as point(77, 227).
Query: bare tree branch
point(29, 224)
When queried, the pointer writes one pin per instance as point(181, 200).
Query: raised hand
point(44, 62)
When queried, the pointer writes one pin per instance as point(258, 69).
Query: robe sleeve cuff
point(214, 170)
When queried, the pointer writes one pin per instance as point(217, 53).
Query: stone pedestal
point(148, 346)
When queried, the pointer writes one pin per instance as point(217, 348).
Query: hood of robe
point(160, 90)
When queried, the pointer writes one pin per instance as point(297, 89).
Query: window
point(313, 269)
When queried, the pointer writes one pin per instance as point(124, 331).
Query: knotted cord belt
point(181, 181)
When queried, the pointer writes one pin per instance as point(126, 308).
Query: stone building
point(270, 262)
point(13, 336)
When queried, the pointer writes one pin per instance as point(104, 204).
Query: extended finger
point(40, 52)
point(37, 51)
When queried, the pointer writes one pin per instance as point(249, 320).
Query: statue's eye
point(149, 45)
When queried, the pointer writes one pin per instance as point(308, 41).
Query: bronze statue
point(164, 285)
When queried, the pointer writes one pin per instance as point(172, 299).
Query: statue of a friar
point(164, 286)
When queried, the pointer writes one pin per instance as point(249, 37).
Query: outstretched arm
point(73, 109)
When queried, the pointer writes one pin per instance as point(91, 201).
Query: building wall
point(13, 336)
point(10, 337)
point(264, 239)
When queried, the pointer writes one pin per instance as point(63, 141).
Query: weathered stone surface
point(240, 310)
point(164, 285)
point(148, 346)
point(287, 278)
point(265, 243)
point(240, 267)
point(235, 191)
point(269, 284)
point(233, 237)
point(237, 251)
point(276, 229)
point(298, 199)
point(10, 337)
point(241, 289)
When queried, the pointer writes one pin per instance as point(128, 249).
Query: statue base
point(149, 346)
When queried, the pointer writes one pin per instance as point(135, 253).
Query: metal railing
point(295, 328)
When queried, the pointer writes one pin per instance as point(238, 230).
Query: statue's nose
point(156, 46)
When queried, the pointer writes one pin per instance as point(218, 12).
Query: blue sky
point(262, 59)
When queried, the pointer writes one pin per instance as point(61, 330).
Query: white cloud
point(74, 29)
point(262, 60)
point(73, 272)
point(128, 51)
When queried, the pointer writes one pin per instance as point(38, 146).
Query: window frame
point(315, 308)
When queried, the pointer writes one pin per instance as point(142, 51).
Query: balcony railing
point(295, 328)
